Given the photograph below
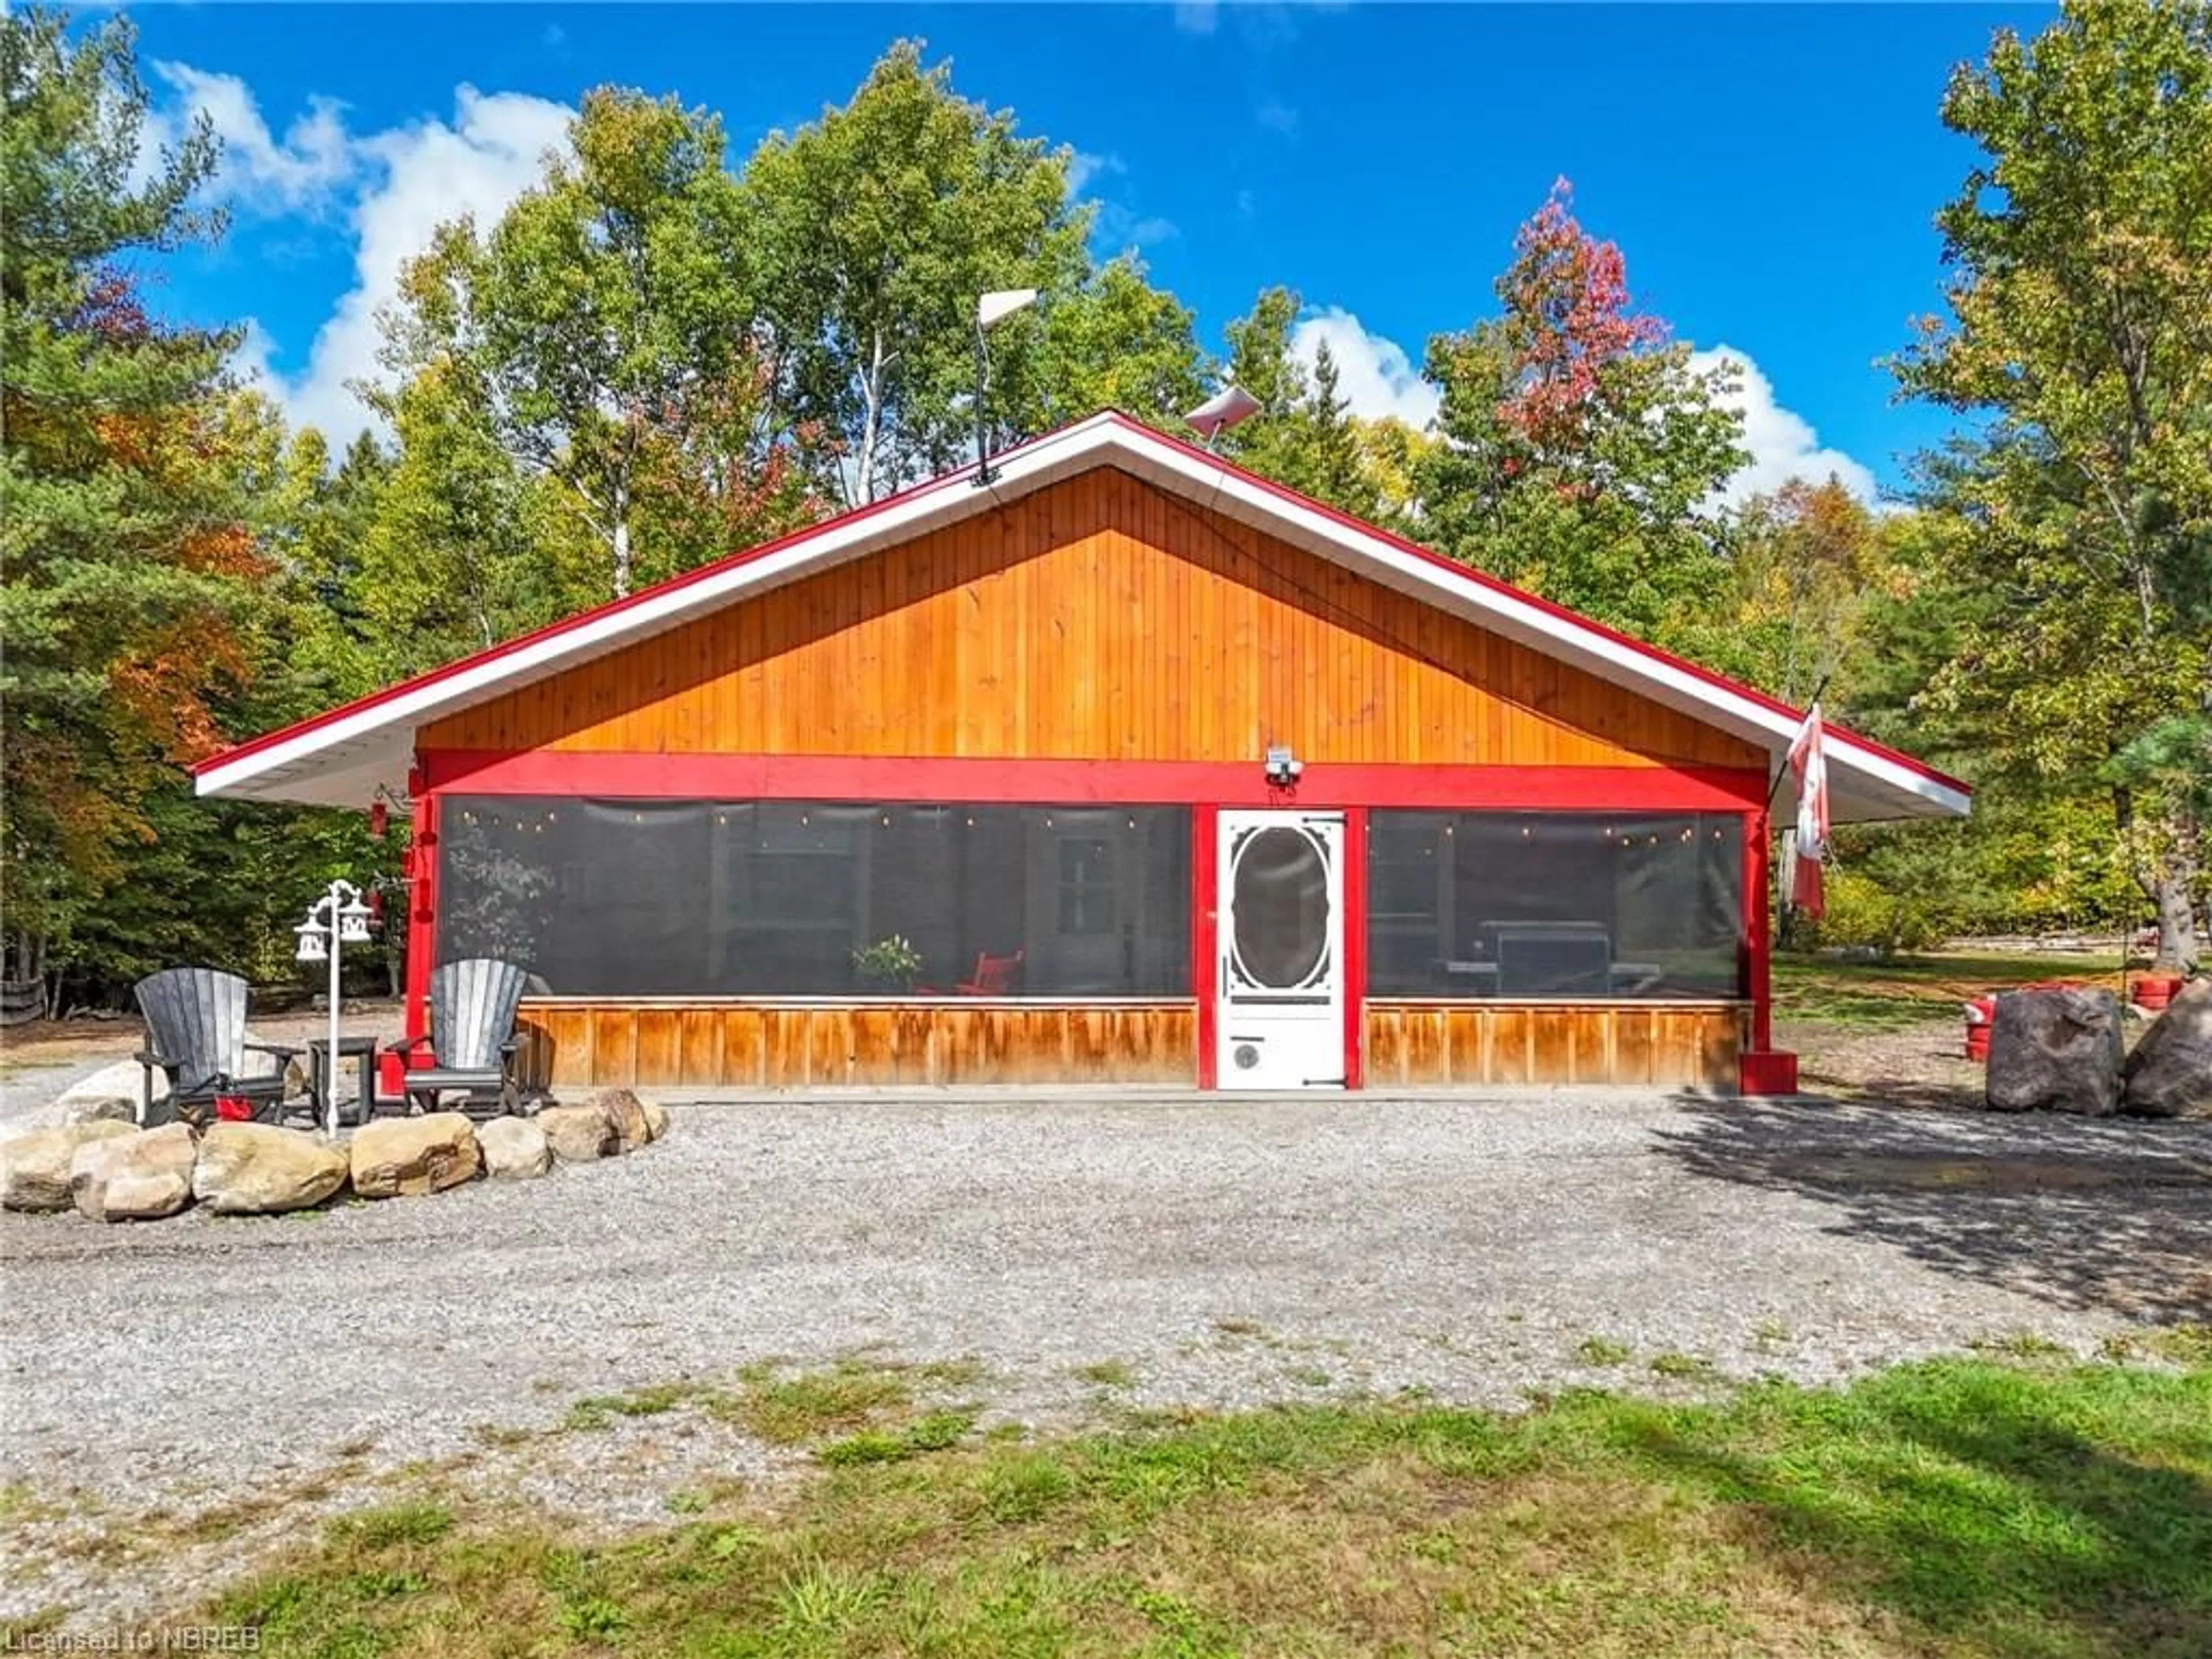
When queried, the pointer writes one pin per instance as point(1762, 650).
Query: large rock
point(121, 1079)
point(141, 1176)
point(258, 1169)
point(99, 1109)
point(514, 1149)
point(34, 1169)
point(2055, 1050)
point(633, 1128)
point(656, 1119)
point(401, 1156)
point(579, 1134)
point(2170, 1073)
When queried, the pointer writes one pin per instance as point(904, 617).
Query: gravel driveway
point(1224, 1253)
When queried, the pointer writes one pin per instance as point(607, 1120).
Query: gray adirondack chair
point(196, 1036)
point(473, 1042)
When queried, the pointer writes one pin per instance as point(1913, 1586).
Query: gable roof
point(339, 758)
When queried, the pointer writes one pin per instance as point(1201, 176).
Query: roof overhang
point(340, 758)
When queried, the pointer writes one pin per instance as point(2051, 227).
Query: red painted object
point(1981, 1014)
point(641, 774)
point(233, 1109)
point(2153, 990)
point(1768, 1071)
point(390, 1075)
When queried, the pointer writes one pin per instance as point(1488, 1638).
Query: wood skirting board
point(869, 1045)
point(1664, 1045)
point(902, 1044)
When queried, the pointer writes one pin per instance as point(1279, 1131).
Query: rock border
point(111, 1170)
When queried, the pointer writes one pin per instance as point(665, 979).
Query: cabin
point(1114, 764)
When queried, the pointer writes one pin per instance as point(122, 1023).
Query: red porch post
point(1355, 946)
point(1205, 966)
point(1762, 1071)
point(423, 913)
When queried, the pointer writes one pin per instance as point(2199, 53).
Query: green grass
point(788, 1411)
point(1602, 1350)
point(1907, 989)
point(599, 1411)
point(1969, 1509)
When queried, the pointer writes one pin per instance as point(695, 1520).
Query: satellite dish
point(1005, 302)
point(1225, 409)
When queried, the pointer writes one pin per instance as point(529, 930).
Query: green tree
point(1581, 456)
point(1304, 434)
point(870, 233)
point(1808, 559)
point(464, 547)
point(2080, 340)
point(604, 320)
point(1116, 341)
point(126, 562)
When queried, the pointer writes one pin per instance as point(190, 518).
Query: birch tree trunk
point(2172, 889)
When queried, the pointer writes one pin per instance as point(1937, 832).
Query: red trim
point(1462, 573)
point(1204, 946)
point(423, 915)
point(1230, 783)
point(1355, 946)
point(1758, 933)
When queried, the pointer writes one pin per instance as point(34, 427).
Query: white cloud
point(415, 178)
point(1782, 442)
point(1084, 170)
point(1116, 228)
point(1113, 225)
point(1373, 375)
point(1197, 17)
point(257, 169)
point(1278, 118)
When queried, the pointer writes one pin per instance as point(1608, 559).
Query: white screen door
point(1280, 972)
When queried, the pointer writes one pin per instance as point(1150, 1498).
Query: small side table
point(320, 1080)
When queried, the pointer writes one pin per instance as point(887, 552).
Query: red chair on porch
point(994, 976)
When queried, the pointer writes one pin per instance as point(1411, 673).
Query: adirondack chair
point(994, 976)
point(196, 1035)
point(473, 1042)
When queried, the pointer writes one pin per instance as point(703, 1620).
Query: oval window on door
point(1279, 909)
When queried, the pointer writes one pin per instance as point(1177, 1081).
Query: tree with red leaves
point(1580, 456)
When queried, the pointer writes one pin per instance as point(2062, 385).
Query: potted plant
point(891, 963)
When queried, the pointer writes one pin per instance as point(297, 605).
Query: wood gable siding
point(1099, 618)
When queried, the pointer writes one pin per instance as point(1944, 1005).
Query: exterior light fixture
point(336, 920)
point(990, 308)
point(1282, 768)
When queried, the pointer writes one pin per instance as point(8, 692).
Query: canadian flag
point(1808, 765)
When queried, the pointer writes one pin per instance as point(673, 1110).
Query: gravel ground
point(1227, 1252)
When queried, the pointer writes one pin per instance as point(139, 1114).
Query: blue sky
point(1769, 174)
